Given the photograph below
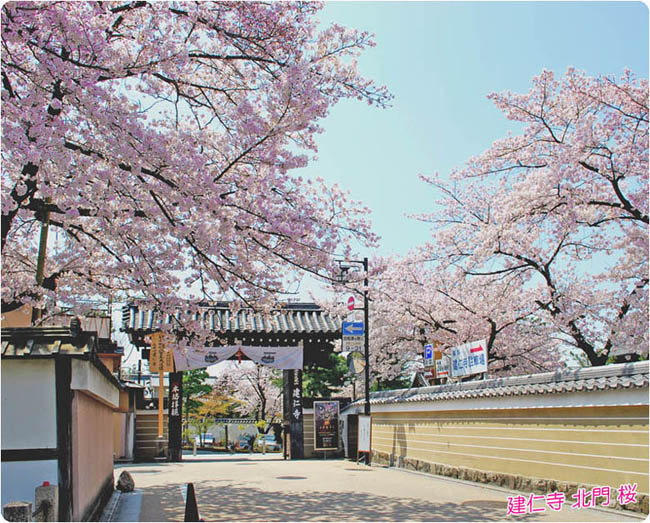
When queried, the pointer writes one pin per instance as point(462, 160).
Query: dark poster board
point(326, 425)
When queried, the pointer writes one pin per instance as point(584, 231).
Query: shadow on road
point(218, 502)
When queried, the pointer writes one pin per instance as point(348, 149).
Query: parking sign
point(428, 356)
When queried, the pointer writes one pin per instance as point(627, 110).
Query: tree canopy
point(540, 244)
point(195, 387)
point(323, 381)
point(157, 139)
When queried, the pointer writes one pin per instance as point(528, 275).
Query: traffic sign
point(351, 303)
point(428, 356)
point(353, 328)
point(352, 343)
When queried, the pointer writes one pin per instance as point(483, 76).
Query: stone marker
point(125, 483)
point(18, 511)
point(46, 502)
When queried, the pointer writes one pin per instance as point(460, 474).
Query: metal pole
point(366, 408)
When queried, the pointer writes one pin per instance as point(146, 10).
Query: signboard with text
point(469, 358)
point(326, 425)
point(364, 434)
point(443, 366)
point(161, 357)
point(352, 343)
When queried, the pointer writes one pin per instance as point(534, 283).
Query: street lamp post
point(366, 347)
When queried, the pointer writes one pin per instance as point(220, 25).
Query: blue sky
point(440, 60)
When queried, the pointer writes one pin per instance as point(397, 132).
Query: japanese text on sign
point(175, 400)
point(326, 425)
point(470, 358)
point(296, 401)
point(161, 357)
point(442, 367)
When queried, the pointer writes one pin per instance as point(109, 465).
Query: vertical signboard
point(442, 367)
point(161, 356)
point(428, 356)
point(364, 440)
point(155, 354)
point(326, 425)
point(293, 414)
point(175, 420)
point(468, 359)
point(364, 433)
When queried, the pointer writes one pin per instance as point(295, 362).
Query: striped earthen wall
point(599, 446)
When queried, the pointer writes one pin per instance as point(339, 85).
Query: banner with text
point(275, 357)
point(469, 358)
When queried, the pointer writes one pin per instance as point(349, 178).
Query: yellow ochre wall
point(605, 446)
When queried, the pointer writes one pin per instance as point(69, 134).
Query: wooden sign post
point(161, 360)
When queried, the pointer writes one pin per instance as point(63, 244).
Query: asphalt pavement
point(255, 487)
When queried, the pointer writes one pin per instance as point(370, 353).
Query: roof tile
point(623, 375)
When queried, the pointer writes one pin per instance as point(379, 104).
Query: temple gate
point(290, 325)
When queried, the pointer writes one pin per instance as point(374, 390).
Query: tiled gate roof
point(289, 324)
point(293, 318)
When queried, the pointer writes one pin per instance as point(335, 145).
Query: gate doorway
point(353, 435)
point(290, 325)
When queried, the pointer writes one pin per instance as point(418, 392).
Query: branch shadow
point(226, 502)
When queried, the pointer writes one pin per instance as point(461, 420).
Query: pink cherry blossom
point(160, 138)
point(540, 244)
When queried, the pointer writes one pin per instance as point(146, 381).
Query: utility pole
point(366, 344)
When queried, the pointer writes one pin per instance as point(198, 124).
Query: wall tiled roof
point(28, 343)
point(45, 341)
point(623, 375)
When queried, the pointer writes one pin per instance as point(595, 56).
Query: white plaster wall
point(86, 377)
point(28, 405)
point(20, 478)
point(597, 398)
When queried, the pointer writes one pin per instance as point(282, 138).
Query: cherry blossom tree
point(417, 302)
point(541, 241)
point(157, 139)
point(256, 389)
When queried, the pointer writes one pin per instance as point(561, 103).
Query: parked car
point(243, 444)
point(271, 443)
point(207, 438)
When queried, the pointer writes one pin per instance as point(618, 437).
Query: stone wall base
point(97, 505)
point(510, 481)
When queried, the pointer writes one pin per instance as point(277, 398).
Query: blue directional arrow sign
point(353, 328)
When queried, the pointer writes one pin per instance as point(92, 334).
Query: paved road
point(252, 487)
